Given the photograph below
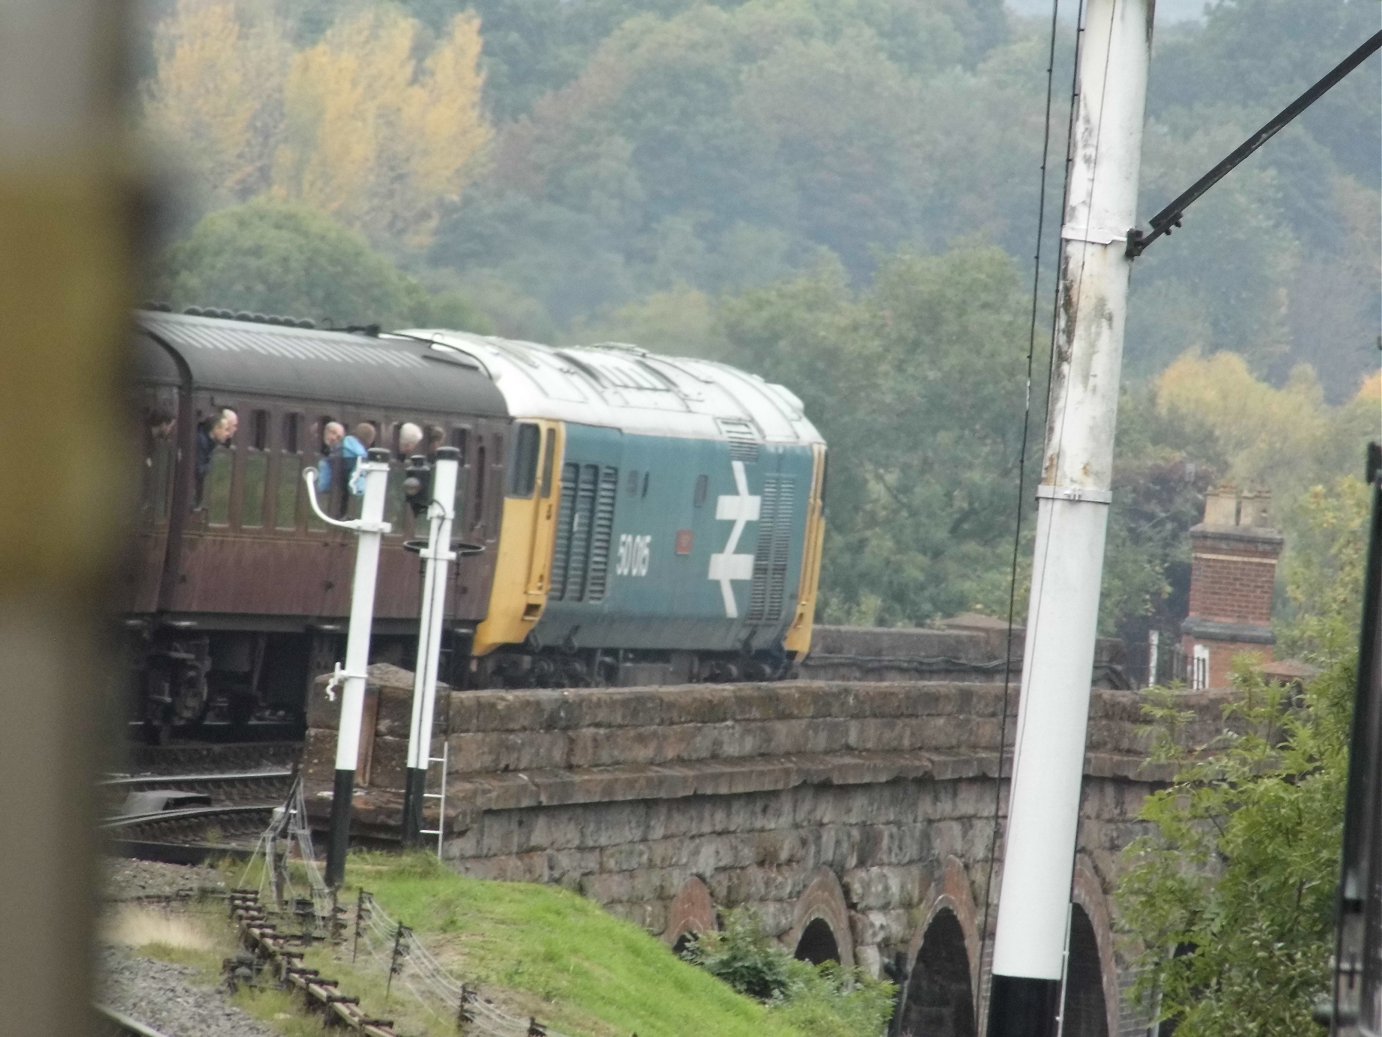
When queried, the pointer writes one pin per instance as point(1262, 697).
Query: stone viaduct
point(860, 821)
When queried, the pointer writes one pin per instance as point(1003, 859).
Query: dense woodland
point(841, 195)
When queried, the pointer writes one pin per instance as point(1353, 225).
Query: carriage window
point(523, 471)
point(289, 473)
point(459, 436)
point(292, 433)
point(458, 504)
point(327, 500)
point(480, 473)
point(216, 492)
point(256, 470)
point(160, 459)
point(547, 462)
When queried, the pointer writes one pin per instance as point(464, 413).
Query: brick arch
point(1089, 896)
point(824, 901)
point(950, 892)
point(692, 911)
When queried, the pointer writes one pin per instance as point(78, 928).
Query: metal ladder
point(440, 797)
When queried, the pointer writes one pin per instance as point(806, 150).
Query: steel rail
point(118, 1024)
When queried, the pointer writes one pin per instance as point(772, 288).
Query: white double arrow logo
point(726, 566)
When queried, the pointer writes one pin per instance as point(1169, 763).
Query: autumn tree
point(373, 122)
point(375, 138)
point(215, 100)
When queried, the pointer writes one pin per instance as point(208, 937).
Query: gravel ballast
point(176, 999)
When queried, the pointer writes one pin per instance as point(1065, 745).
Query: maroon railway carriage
point(236, 601)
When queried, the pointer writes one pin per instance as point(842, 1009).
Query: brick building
point(1232, 582)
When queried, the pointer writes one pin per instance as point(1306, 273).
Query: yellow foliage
point(359, 125)
point(216, 95)
point(373, 138)
point(1371, 389)
point(1257, 424)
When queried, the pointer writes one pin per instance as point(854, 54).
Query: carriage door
point(546, 493)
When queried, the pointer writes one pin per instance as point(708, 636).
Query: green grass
point(545, 952)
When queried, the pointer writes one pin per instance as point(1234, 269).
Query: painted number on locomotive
point(634, 550)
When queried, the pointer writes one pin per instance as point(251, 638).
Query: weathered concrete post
point(1072, 511)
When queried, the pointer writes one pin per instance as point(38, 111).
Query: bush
point(826, 1000)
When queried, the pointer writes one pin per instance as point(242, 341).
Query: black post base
point(342, 794)
point(414, 788)
point(1021, 1007)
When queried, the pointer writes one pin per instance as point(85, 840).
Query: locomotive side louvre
point(247, 593)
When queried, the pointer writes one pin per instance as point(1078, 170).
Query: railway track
point(110, 1023)
point(200, 757)
point(191, 816)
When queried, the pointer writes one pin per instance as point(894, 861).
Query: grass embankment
point(548, 953)
point(532, 951)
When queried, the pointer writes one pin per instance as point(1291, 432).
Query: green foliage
point(285, 259)
point(1230, 900)
point(743, 955)
point(1321, 572)
point(1232, 897)
point(922, 489)
point(825, 1000)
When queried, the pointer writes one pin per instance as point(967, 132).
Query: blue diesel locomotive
point(662, 520)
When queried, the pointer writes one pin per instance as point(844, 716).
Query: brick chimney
point(1232, 579)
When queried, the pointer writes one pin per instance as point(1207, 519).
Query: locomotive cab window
point(523, 471)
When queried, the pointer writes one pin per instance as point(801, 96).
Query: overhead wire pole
point(370, 528)
point(1072, 513)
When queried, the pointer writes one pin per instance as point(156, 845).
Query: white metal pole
point(1072, 510)
point(370, 529)
point(437, 557)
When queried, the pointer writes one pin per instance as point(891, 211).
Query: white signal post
point(437, 557)
point(370, 528)
point(1072, 513)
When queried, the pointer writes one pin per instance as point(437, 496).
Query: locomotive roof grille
point(616, 371)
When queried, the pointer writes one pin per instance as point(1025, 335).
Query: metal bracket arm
point(309, 476)
point(1170, 217)
point(338, 678)
point(1074, 494)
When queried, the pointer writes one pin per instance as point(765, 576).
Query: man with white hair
point(216, 430)
point(409, 436)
